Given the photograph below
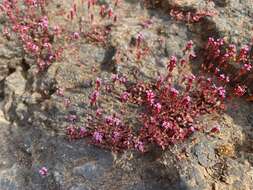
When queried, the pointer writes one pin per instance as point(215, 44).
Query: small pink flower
point(97, 137)
point(124, 96)
point(227, 79)
point(110, 12)
point(76, 35)
point(244, 53)
point(186, 100)
point(172, 63)
point(239, 90)
point(245, 49)
point(43, 171)
point(122, 79)
point(31, 2)
point(232, 50)
point(167, 125)
point(183, 62)
point(116, 135)
point(98, 83)
point(139, 39)
point(222, 77)
point(216, 71)
point(71, 130)
point(71, 118)
point(109, 120)
point(174, 92)
point(116, 121)
point(192, 129)
point(47, 45)
point(99, 112)
point(247, 67)
point(44, 22)
point(114, 77)
point(94, 97)
point(221, 92)
point(60, 92)
point(82, 131)
point(140, 146)
point(190, 78)
point(108, 88)
point(192, 55)
point(158, 107)
point(189, 45)
point(150, 96)
point(102, 10)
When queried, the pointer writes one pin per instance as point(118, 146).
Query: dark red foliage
point(98, 35)
point(167, 113)
point(228, 65)
point(190, 16)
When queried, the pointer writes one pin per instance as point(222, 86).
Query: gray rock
point(4, 71)
point(90, 171)
point(205, 154)
point(192, 178)
point(15, 83)
point(6, 184)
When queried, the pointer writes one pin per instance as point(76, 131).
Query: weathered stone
point(221, 3)
point(3, 70)
point(15, 83)
point(182, 3)
point(193, 178)
point(6, 184)
point(205, 154)
point(91, 170)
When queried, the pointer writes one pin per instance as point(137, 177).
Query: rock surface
point(34, 135)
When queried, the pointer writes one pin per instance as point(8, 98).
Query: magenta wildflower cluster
point(229, 66)
point(30, 24)
point(190, 16)
point(167, 110)
point(43, 171)
point(44, 41)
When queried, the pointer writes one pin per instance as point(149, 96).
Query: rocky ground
point(32, 120)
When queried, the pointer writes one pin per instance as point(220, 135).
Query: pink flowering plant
point(190, 16)
point(228, 65)
point(162, 111)
point(182, 15)
point(43, 171)
point(167, 111)
point(31, 25)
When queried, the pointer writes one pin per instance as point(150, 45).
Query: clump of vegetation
point(167, 111)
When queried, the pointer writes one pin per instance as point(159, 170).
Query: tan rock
point(183, 3)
